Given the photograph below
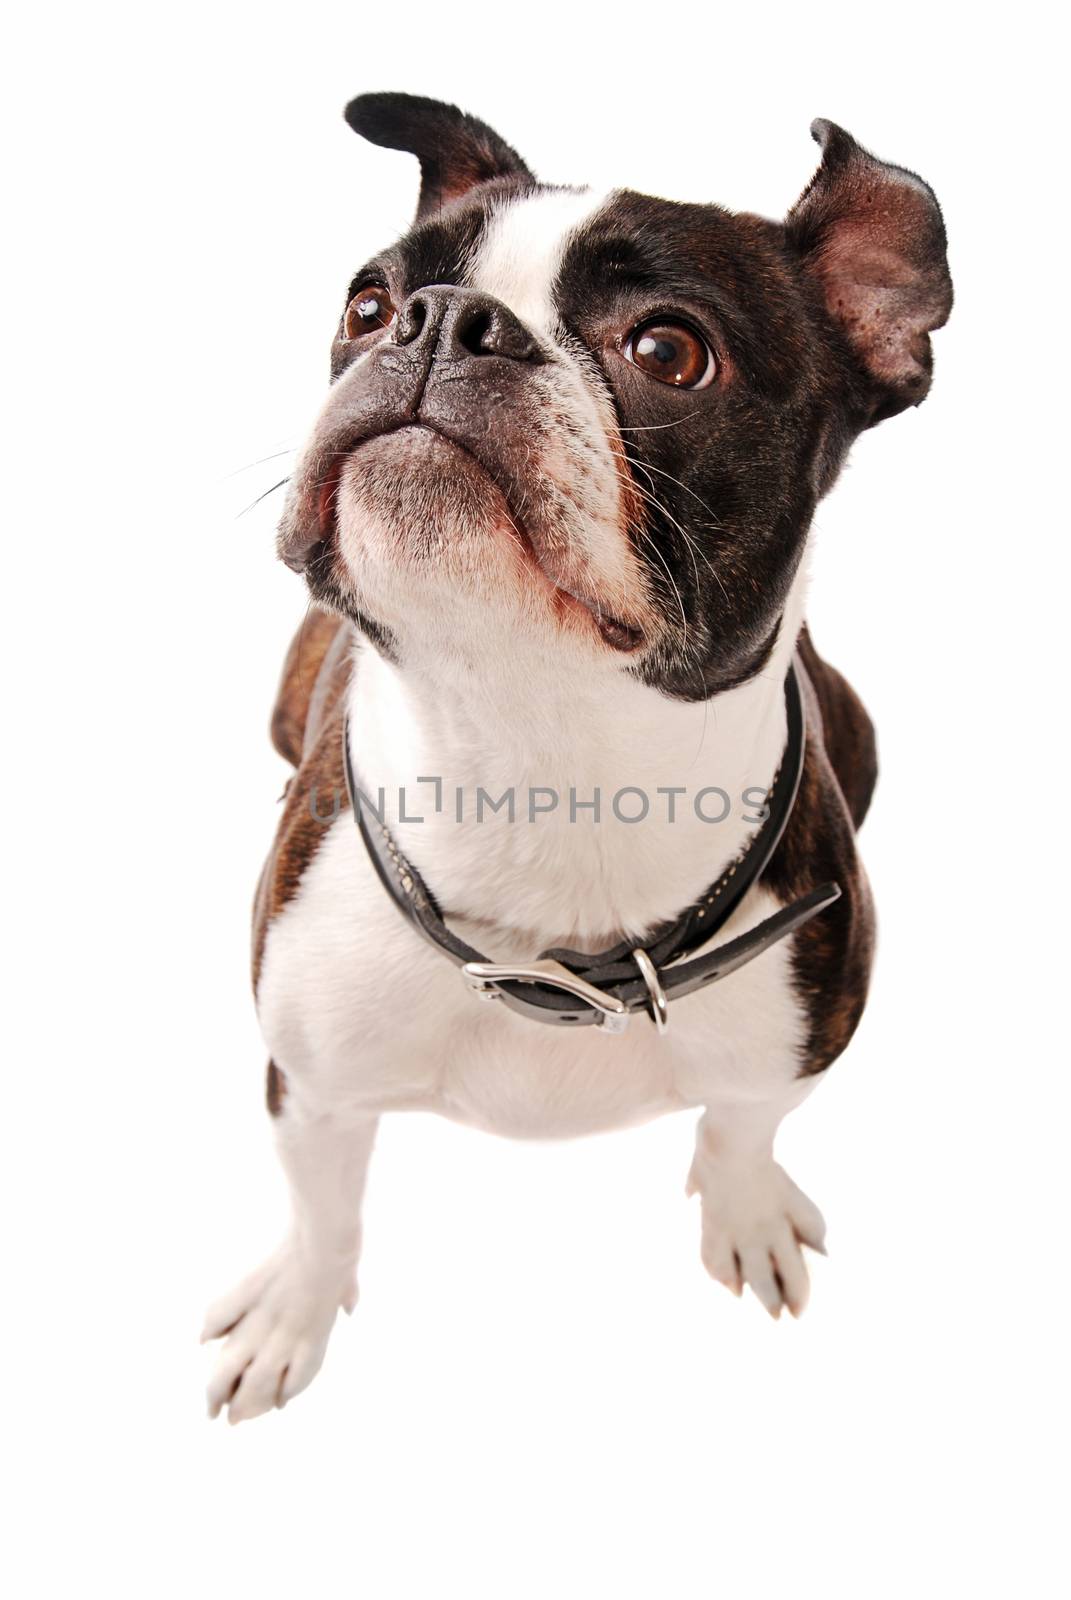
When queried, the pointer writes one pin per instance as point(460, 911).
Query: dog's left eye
point(370, 308)
point(672, 353)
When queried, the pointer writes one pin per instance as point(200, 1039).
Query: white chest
point(362, 1015)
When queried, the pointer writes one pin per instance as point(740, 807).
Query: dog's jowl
point(570, 839)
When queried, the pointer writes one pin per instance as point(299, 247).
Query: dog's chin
point(417, 514)
point(411, 496)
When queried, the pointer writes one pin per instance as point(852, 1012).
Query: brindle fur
point(300, 671)
point(309, 706)
point(831, 955)
point(275, 1089)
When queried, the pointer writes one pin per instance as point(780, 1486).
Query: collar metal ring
point(659, 1010)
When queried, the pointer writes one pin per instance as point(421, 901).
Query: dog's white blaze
point(520, 253)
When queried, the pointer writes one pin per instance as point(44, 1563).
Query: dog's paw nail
point(754, 1223)
point(274, 1346)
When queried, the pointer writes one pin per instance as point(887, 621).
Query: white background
point(541, 1393)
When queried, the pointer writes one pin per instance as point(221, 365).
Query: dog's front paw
point(276, 1325)
point(754, 1221)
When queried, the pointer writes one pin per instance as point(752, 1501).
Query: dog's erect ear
point(872, 235)
point(456, 152)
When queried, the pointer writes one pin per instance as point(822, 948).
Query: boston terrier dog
point(570, 839)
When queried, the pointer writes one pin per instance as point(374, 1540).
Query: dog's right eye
point(370, 308)
point(672, 353)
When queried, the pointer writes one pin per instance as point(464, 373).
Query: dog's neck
point(536, 729)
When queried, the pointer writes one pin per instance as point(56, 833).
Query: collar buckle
point(483, 978)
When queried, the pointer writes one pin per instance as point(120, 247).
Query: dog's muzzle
point(457, 362)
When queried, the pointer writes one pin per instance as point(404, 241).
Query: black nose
point(458, 324)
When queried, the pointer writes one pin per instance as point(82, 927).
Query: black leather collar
point(570, 988)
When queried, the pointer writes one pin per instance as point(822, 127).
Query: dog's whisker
point(253, 503)
point(655, 427)
point(690, 543)
point(275, 456)
point(710, 512)
point(655, 551)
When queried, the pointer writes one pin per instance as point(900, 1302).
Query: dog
point(570, 839)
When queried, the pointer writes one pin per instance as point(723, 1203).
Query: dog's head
point(602, 422)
